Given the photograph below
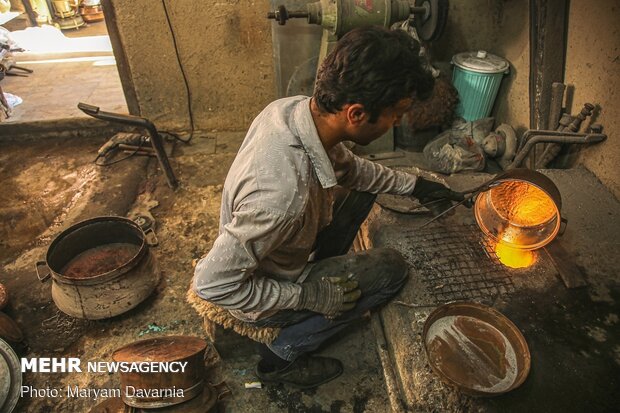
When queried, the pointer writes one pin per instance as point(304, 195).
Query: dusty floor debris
point(48, 188)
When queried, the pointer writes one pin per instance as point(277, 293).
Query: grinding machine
point(337, 17)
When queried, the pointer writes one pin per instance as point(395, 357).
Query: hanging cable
point(189, 93)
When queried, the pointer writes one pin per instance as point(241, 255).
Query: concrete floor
point(51, 184)
point(69, 67)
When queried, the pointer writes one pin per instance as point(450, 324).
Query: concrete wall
point(501, 28)
point(225, 51)
point(592, 66)
point(593, 69)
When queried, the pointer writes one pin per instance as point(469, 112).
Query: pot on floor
point(179, 380)
point(100, 268)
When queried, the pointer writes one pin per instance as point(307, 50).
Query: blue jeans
point(380, 274)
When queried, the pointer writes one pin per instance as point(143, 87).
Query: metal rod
point(156, 140)
point(139, 153)
point(565, 138)
point(297, 14)
point(135, 148)
point(436, 217)
point(555, 107)
point(555, 111)
point(289, 14)
point(535, 132)
point(552, 150)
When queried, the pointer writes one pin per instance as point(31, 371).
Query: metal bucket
point(477, 76)
point(100, 268)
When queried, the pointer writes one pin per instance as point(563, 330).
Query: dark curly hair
point(375, 67)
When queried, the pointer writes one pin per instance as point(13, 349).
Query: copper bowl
point(521, 209)
point(476, 349)
point(163, 349)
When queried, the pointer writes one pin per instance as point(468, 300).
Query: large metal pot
point(521, 209)
point(100, 268)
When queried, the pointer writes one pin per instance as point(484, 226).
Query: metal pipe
point(136, 148)
point(535, 132)
point(282, 15)
point(555, 111)
point(156, 140)
point(565, 120)
point(566, 137)
point(553, 150)
point(555, 107)
point(138, 153)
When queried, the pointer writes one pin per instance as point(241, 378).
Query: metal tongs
point(468, 197)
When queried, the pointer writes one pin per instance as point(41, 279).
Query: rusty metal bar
point(548, 22)
point(553, 150)
point(565, 137)
point(555, 107)
point(156, 140)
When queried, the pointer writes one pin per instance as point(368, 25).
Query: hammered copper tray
point(476, 349)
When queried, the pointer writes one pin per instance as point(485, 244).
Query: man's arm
point(363, 175)
point(226, 276)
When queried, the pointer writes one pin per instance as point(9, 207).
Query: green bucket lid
point(481, 62)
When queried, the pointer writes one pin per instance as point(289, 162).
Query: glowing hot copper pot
point(520, 209)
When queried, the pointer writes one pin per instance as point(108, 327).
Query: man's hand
point(350, 290)
point(435, 196)
point(330, 295)
point(425, 189)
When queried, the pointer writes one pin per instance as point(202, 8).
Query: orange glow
point(514, 257)
point(522, 204)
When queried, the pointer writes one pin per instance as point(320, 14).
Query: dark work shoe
point(304, 373)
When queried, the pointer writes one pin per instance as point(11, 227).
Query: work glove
point(329, 295)
point(435, 196)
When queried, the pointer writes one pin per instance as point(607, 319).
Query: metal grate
point(458, 263)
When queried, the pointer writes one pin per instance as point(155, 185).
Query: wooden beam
point(32, 16)
point(548, 27)
point(122, 64)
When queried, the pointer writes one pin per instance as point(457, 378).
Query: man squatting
point(295, 198)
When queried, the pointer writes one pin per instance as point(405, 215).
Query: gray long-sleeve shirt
point(277, 196)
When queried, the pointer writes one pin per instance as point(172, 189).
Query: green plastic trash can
point(477, 76)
